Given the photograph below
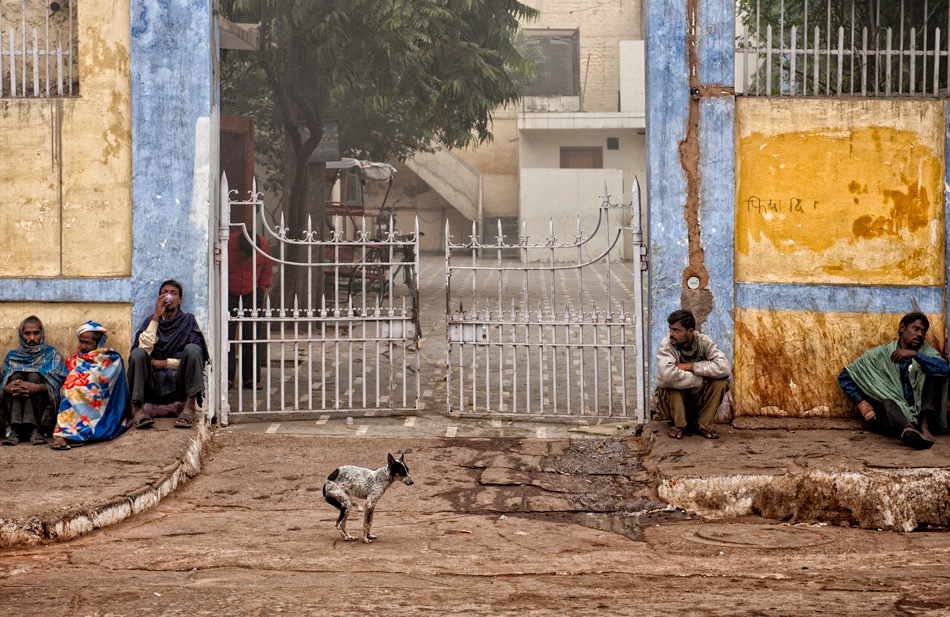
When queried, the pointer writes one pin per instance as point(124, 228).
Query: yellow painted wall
point(835, 193)
point(60, 321)
point(66, 172)
point(787, 362)
point(839, 192)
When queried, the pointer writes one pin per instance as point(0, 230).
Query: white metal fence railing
point(548, 338)
point(351, 345)
point(37, 44)
point(866, 48)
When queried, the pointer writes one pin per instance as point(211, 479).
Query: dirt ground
point(491, 526)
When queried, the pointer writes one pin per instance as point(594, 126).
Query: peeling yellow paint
point(74, 152)
point(787, 362)
point(860, 201)
point(60, 320)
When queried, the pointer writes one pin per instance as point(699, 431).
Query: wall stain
point(700, 301)
point(911, 212)
point(787, 362)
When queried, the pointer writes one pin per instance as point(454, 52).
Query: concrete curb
point(76, 522)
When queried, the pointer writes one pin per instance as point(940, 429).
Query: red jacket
point(240, 276)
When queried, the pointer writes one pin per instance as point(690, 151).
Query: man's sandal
point(184, 420)
point(37, 439)
point(143, 422)
point(12, 440)
point(676, 433)
point(710, 434)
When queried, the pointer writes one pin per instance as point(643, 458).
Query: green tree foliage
point(852, 15)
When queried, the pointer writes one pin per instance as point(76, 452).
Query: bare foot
point(925, 427)
point(59, 444)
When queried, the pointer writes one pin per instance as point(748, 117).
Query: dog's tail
point(329, 498)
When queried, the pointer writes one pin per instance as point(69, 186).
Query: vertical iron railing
point(351, 345)
point(37, 60)
point(552, 334)
point(865, 48)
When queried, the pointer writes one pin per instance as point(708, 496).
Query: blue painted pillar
point(691, 165)
point(174, 141)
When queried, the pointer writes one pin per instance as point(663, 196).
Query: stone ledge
point(892, 499)
point(76, 522)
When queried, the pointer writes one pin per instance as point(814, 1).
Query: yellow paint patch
point(840, 193)
point(787, 362)
point(60, 320)
point(67, 164)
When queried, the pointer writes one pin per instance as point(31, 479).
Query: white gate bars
point(349, 346)
point(866, 48)
point(22, 48)
point(541, 337)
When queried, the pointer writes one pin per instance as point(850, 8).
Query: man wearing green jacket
point(900, 387)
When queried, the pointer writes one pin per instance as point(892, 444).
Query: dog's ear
point(391, 460)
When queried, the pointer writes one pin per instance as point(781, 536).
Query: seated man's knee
point(192, 352)
point(34, 377)
point(138, 355)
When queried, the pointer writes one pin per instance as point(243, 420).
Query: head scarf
point(91, 326)
point(40, 358)
point(95, 395)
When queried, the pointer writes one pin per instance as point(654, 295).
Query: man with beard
point(691, 377)
point(30, 382)
point(900, 387)
point(167, 360)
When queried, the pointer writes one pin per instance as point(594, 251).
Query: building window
point(556, 54)
point(582, 158)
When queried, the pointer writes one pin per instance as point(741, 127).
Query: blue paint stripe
point(66, 290)
point(839, 298)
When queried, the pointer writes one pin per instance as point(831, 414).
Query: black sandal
point(37, 438)
point(184, 420)
point(12, 440)
point(143, 422)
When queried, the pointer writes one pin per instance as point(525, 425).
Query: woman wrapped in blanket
point(96, 393)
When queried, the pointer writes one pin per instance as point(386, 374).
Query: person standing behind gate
point(691, 377)
point(167, 360)
point(244, 278)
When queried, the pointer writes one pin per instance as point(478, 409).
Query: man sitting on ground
point(96, 392)
point(32, 378)
point(900, 387)
point(691, 377)
point(167, 360)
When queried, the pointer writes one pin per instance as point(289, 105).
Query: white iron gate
point(349, 346)
point(541, 337)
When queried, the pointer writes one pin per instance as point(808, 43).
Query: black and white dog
point(349, 482)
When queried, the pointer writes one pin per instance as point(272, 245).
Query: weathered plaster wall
point(690, 124)
point(66, 163)
point(174, 133)
point(840, 229)
point(840, 191)
point(787, 362)
point(60, 321)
